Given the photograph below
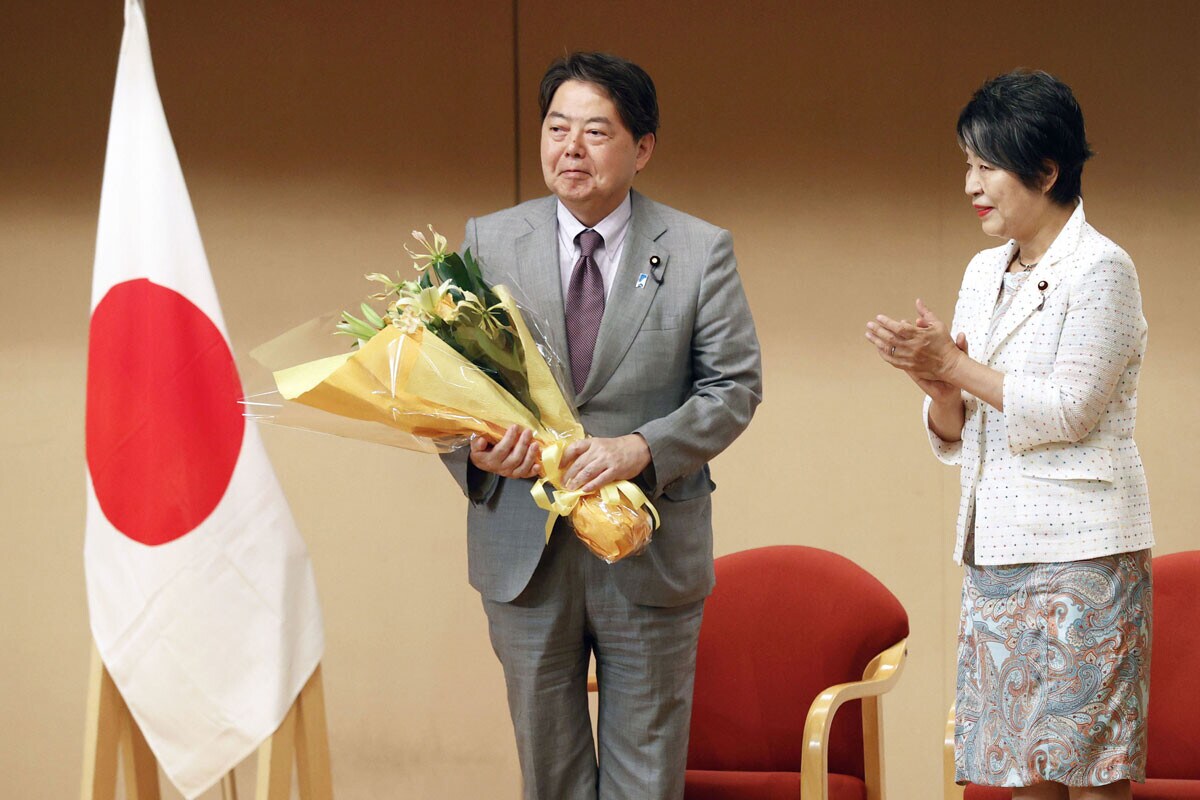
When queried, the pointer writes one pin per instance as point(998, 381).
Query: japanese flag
point(201, 594)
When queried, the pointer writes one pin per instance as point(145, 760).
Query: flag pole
point(111, 731)
point(100, 735)
point(302, 737)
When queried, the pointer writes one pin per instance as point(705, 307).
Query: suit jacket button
point(1043, 286)
point(654, 261)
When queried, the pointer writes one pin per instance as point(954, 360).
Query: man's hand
point(592, 463)
point(516, 455)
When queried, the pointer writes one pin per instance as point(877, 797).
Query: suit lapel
point(539, 281)
point(993, 277)
point(627, 304)
point(1047, 271)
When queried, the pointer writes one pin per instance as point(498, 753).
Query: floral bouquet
point(449, 358)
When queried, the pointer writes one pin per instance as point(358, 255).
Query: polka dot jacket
point(1056, 476)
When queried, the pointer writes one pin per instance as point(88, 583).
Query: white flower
point(408, 321)
point(434, 253)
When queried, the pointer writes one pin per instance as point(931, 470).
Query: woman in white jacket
point(1033, 393)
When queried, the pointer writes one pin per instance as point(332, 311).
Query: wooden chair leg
point(951, 790)
point(872, 719)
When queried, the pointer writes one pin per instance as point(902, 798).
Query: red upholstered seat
point(1152, 789)
point(783, 625)
point(722, 785)
point(973, 792)
point(1173, 728)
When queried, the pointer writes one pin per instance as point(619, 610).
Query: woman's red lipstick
point(982, 211)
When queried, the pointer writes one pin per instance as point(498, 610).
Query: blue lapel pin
point(641, 281)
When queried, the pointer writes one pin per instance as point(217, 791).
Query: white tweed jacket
point(1056, 476)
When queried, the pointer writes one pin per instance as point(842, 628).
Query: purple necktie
point(585, 308)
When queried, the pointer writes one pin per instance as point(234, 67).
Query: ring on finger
point(893, 352)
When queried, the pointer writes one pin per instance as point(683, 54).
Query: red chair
point(790, 635)
point(1173, 727)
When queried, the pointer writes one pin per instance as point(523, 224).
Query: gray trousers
point(645, 666)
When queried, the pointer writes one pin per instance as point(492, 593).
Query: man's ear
point(645, 149)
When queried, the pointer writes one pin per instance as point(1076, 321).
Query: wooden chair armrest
point(951, 790)
point(879, 677)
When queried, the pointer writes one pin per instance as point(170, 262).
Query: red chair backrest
point(1174, 722)
point(783, 624)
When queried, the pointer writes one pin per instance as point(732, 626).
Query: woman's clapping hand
point(924, 350)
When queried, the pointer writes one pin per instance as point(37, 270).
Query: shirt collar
point(612, 227)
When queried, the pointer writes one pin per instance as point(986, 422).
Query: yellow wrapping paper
point(422, 386)
point(414, 382)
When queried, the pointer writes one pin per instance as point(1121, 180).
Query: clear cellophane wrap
point(411, 389)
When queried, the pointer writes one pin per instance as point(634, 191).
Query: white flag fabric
point(201, 594)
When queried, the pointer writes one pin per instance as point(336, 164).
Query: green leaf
point(454, 269)
point(506, 360)
point(354, 326)
point(477, 285)
point(371, 316)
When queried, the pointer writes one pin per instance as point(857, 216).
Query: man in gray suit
point(645, 304)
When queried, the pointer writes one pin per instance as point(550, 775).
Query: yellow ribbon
point(565, 500)
point(559, 427)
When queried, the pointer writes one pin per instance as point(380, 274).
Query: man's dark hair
point(627, 85)
point(1023, 119)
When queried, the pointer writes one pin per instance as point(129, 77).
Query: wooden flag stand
point(111, 729)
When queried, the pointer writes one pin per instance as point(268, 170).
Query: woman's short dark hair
point(1020, 120)
point(627, 85)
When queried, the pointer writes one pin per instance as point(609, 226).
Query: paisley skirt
point(1054, 672)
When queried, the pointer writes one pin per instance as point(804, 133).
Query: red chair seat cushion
point(1162, 789)
point(703, 784)
point(783, 624)
point(973, 792)
point(1173, 749)
point(1167, 789)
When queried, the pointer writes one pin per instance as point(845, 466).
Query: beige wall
point(314, 139)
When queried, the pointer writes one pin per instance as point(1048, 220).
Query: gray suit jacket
point(676, 360)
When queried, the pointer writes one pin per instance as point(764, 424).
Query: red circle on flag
point(164, 426)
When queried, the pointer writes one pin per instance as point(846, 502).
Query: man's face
point(589, 157)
